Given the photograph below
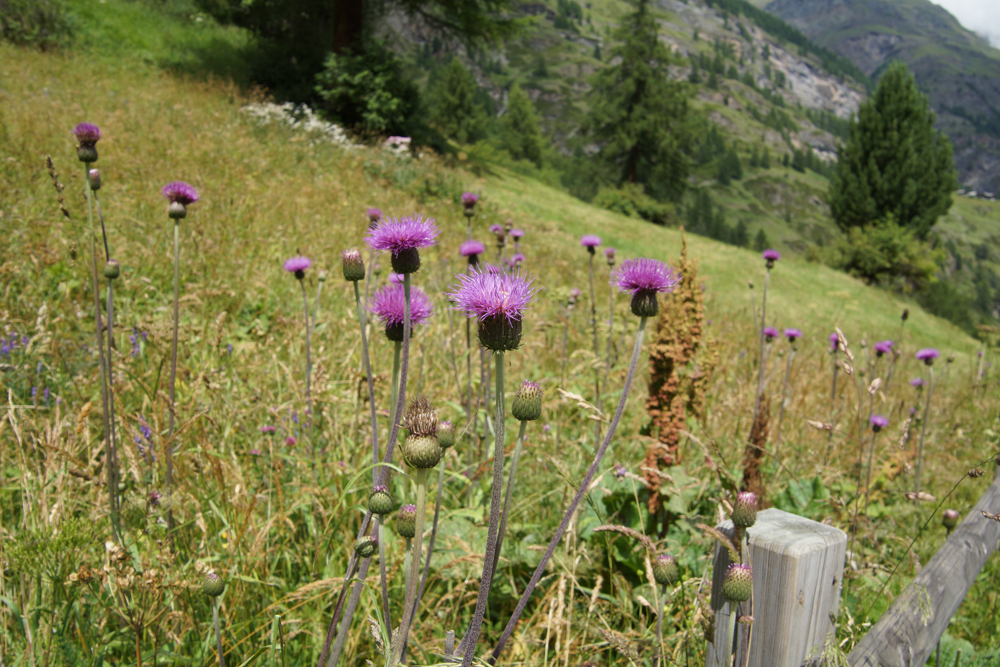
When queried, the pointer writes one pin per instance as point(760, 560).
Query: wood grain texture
point(797, 565)
point(906, 635)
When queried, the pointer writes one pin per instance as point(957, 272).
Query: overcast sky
point(981, 16)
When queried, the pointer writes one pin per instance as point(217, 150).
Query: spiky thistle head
point(745, 509)
point(917, 383)
point(471, 250)
point(366, 546)
point(793, 335)
point(609, 255)
point(469, 199)
point(527, 403)
point(380, 500)
point(644, 278)
point(420, 417)
point(94, 176)
point(883, 347)
point(878, 422)
point(834, 341)
point(738, 583)
point(590, 242)
point(353, 265)
point(87, 135)
point(403, 238)
point(517, 234)
point(928, 355)
point(112, 269)
point(446, 434)
point(665, 570)
point(770, 257)
point(389, 303)
point(374, 215)
point(406, 520)
point(297, 266)
point(497, 299)
point(180, 195)
point(950, 519)
point(770, 333)
point(213, 585)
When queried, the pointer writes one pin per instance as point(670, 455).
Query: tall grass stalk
point(577, 499)
point(489, 561)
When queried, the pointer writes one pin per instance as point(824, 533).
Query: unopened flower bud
point(527, 404)
point(950, 519)
point(745, 509)
point(665, 570)
point(406, 521)
point(94, 177)
point(176, 210)
point(380, 502)
point(446, 434)
point(366, 546)
point(354, 265)
point(112, 270)
point(213, 585)
point(499, 333)
point(422, 451)
point(321, 276)
point(738, 583)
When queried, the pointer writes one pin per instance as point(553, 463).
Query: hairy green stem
point(111, 388)
point(577, 499)
point(173, 377)
point(218, 631)
point(366, 360)
point(784, 397)
point(923, 428)
point(762, 363)
point(593, 326)
point(382, 576)
point(394, 395)
point(433, 537)
point(305, 308)
point(508, 492)
point(414, 572)
point(486, 581)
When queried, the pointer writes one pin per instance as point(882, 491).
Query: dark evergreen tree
point(894, 161)
point(760, 241)
point(741, 237)
point(521, 136)
point(729, 168)
point(454, 109)
point(765, 159)
point(638, 111)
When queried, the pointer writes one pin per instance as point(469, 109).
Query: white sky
point(981, 16)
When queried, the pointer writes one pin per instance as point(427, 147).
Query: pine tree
point(454, 109)
point(760, 242)
point(894, 161)
point(521, 135)
point(638, 111)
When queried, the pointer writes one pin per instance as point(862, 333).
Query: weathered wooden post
point(907, 633)
point(797, 568)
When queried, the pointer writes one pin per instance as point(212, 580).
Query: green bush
point(40, 23)
point(886, 254)
point(631, 200)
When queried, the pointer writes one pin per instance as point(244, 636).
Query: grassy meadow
point(276, 515)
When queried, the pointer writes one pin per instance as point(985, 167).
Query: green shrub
point(883, 253)
point(631, 200)
point(40, 23)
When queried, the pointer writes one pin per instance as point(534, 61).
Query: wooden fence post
point(907, 633)
point(797, 568)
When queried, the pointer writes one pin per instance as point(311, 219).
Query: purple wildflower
point(928, 355)
point(388, 305)
point(469, 199)
point(396, 278)
point(403, 234)
point(374, 215)
point(883, 347)
point(770, 333)
point(290, 441)
point(834, 340)
point(517, 258)
point(574, 293)
point(644, 278)
point(87, 134)
point(792, 335)
point(771, 255)
point(878, 422)
point(46, 393)
point(267, 429)
point(471, 248)
point(179, 192)
point(609, 253)
point(496, 229)
point(547, 428)
point(497, 300)
point(619, 471)
point(254, 452)
point(516, 234)
point(918, 383)
point(298, 266)
point(589, 241)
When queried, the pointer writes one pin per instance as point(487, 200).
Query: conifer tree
point(638, 111)
point(894, 162)
point(521, 135)
point(454, 109)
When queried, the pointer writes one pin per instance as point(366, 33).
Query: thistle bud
point(609, 255)
point(213, 585)
point(644, 304)
point(112, 269)
point(446, 434)
point(422, 451)
point(500, 334)
point(737, 585)
point(379, 501)
point(94, 177)
point(527, 404)
point(87, 136)
point(949, 520)
point(405, 261)
point(420, 418)
point(665, 570)
point(366, 546)
point(354, 266)
point(321, 276)
point(176, 210)
point(745, 509)
point(406, 521)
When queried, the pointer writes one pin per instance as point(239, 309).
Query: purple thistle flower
point(5, 349)
point(883, 347)
point(496, 229)
point(834, 340)
point(771, 255)
point(290, 441)
point(792, 335)
point(917, 383)
point(472, 248)
point(575, 293)
point(609, 252)
point(298, 266)
point(497, 300)
point(770, 333)
point(516, 234)
point(878, 422)
point(87, 134)
point(619, 471)
point(46, 393)
point(374, 215)
point(644, 278)
point(517, 258)
point(388, 305)
point(469, 199)
point(179, 192)
point(267, 429)
point(928, 355)
point(254, 452)
point(590, 241)
point(547, 428)
point(403, 234)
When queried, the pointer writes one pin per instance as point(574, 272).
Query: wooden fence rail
point(906, 635)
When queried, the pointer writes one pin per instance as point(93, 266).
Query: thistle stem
point(397, 347)
point(509, 492)
point(871, 454)
point(218, 631)
point(382, 575)
point(486, 581)
point(305, 308)
point(409, 608)
point(784, 397)
point(923, 428)
point(109, 453)
point(611, 328)
point(763, 360)
point(352, 605)
point(581, 492)
point(173, 377)
point(658, 659)
point(593, 326)
point(366, 360)
point(111, 389)
point(430, 542)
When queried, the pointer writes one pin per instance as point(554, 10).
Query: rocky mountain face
point(956, 68)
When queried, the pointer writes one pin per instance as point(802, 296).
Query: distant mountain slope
point(957, 69)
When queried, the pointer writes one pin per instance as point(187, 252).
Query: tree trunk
point(348, 25)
